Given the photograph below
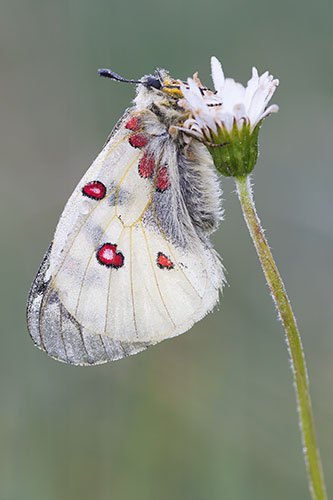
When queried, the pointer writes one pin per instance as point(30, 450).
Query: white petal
point(192, 94)
point(209, 120)
point(227, 119)
point(217, 75)
point(274, 108)
point(256, 108)
point(251, 87)
point(233, 94)
point(239, 111)
point(261, 98)
point(213, 99)
point(264, 76)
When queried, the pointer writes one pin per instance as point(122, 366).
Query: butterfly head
point(161, 81)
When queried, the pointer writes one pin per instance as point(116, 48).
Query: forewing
point(126, 268)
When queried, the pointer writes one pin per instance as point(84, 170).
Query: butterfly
point(131, 263)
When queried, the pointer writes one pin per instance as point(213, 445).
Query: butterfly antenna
point(111, 74)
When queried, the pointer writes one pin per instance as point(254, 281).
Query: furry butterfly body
point(131, 263)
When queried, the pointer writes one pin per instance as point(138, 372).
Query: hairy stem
point(279, 294)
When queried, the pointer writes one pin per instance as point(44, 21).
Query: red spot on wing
point(108, 256)
point(163, 262)
point(95, 190)
point(162, 182)
point(147, 165)
point(133, 124)
point(138, 140)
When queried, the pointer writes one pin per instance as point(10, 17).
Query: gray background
point(210, 414)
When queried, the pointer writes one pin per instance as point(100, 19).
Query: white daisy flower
point(230, 116)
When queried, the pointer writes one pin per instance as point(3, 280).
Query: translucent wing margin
point(54, 330)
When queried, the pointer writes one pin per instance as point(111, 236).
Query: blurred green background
point(210, 414)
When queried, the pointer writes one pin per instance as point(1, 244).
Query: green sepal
point(234, 153)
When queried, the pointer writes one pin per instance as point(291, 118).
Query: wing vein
point(172, 254)
point(109, 289)
point(44, 302)
point(155, 277)
point(61, 332)
point(92, 174)
point(107, 301)
point(103, 344)
point(132, 290)
point(87, 266)
point(78, 324)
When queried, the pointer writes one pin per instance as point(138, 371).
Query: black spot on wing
point(119, 196)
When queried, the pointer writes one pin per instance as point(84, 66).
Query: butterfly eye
point(153, 82)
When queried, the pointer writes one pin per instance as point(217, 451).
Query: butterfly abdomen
point(200, 189)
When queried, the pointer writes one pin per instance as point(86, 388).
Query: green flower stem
point(279, 294)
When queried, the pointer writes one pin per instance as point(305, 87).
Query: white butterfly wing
point(127, 267)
